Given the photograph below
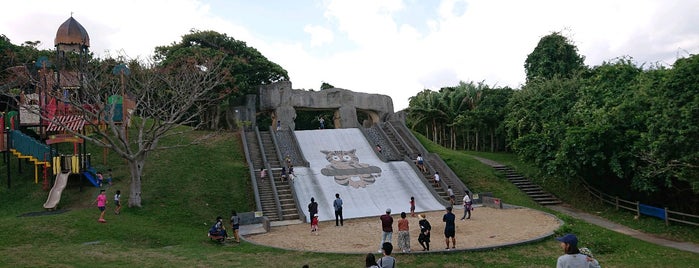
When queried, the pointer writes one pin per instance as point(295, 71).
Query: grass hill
point(184, 189)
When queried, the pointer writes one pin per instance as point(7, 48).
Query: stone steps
point(532, 190)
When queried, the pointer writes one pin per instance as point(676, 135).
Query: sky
point(392, 47)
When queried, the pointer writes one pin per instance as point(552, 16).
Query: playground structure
point(43, 116)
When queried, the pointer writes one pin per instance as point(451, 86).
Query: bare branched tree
point(167, 101)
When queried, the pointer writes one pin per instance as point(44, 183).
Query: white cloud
point(365, 45)
point(319, 35)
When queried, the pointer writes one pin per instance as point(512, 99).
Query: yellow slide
point(55, 193)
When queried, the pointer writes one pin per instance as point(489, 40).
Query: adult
point(321, 120)
point(218, 229)
point(312, 208)
point(337, 204)
point(425, 229)
point(449, 228)
point(370, 261)
point(387, 261)
point(403, 233)
point(467, 205)
point(235, 225)
point(387, 228)
point(572, 256)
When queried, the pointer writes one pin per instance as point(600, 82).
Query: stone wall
point(283, 101)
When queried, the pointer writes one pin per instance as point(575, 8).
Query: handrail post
point(667, 220)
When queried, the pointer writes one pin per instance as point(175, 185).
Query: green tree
point(249, 69)
point(325, 86)
point(554, 55)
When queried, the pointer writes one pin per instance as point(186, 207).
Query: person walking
point(312, 208)
point(467, 205)
point(235, 225)
point(387, 228)
point(449, 228)
point(572, 256)
point(403, 233)
point(425, 229)
point(101, 201)
point(337, 204)
point(436, 179)
point(117, 202)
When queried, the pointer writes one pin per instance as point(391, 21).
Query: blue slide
point(91, 178)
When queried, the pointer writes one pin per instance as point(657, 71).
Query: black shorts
point(101, 208)
point(449, 232)
point(117, 203)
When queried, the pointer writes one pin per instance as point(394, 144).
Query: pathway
point(604, 223)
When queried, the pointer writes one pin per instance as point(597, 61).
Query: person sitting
point(283, 173)
point(218, 229)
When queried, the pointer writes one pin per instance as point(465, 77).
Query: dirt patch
point(487, 227)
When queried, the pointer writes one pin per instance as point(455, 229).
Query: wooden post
point(638, 209)
point(667, 221)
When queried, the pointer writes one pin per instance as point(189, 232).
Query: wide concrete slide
point(342, 161)
point(56, 191)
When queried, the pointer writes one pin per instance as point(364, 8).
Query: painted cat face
point(341, 157)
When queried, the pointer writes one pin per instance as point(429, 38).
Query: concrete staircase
point(395, 139)
point(286, 198)
point(532, 190)
point(269, 205)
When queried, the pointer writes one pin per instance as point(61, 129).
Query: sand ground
point(487, 227)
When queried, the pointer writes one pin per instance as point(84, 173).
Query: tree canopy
point(554, 55)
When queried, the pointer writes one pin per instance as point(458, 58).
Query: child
point(100, 178)
point(314, 224)
point(283, 174)
point(101, 201)
point(412, 206)
point(291, 173)
point(109, 176)
point(452, 197)
point(117, 202)
point(263, 173)
point(235, 225)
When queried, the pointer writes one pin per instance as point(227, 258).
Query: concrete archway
point(283, 101)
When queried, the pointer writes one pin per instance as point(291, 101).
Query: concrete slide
point(55, 193)
point(342, 161)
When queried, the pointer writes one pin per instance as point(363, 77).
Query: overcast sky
point(391, 47)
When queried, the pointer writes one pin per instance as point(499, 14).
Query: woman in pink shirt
point(101, 204)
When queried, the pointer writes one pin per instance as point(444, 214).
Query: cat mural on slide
point(345, 167)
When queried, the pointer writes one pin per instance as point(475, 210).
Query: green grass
point(186, 188)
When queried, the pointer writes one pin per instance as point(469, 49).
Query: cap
point(570, 239)
point(388, 210)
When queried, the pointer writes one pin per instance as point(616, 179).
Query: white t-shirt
point(436, 177)
point(450, 192)
point(466, 199)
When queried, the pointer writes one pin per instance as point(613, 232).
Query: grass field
point(186, 188)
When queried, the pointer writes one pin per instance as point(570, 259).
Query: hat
point(421, 216)
point(388, 210)
point(315, 215)
point(586, 251)
point(570, 239)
